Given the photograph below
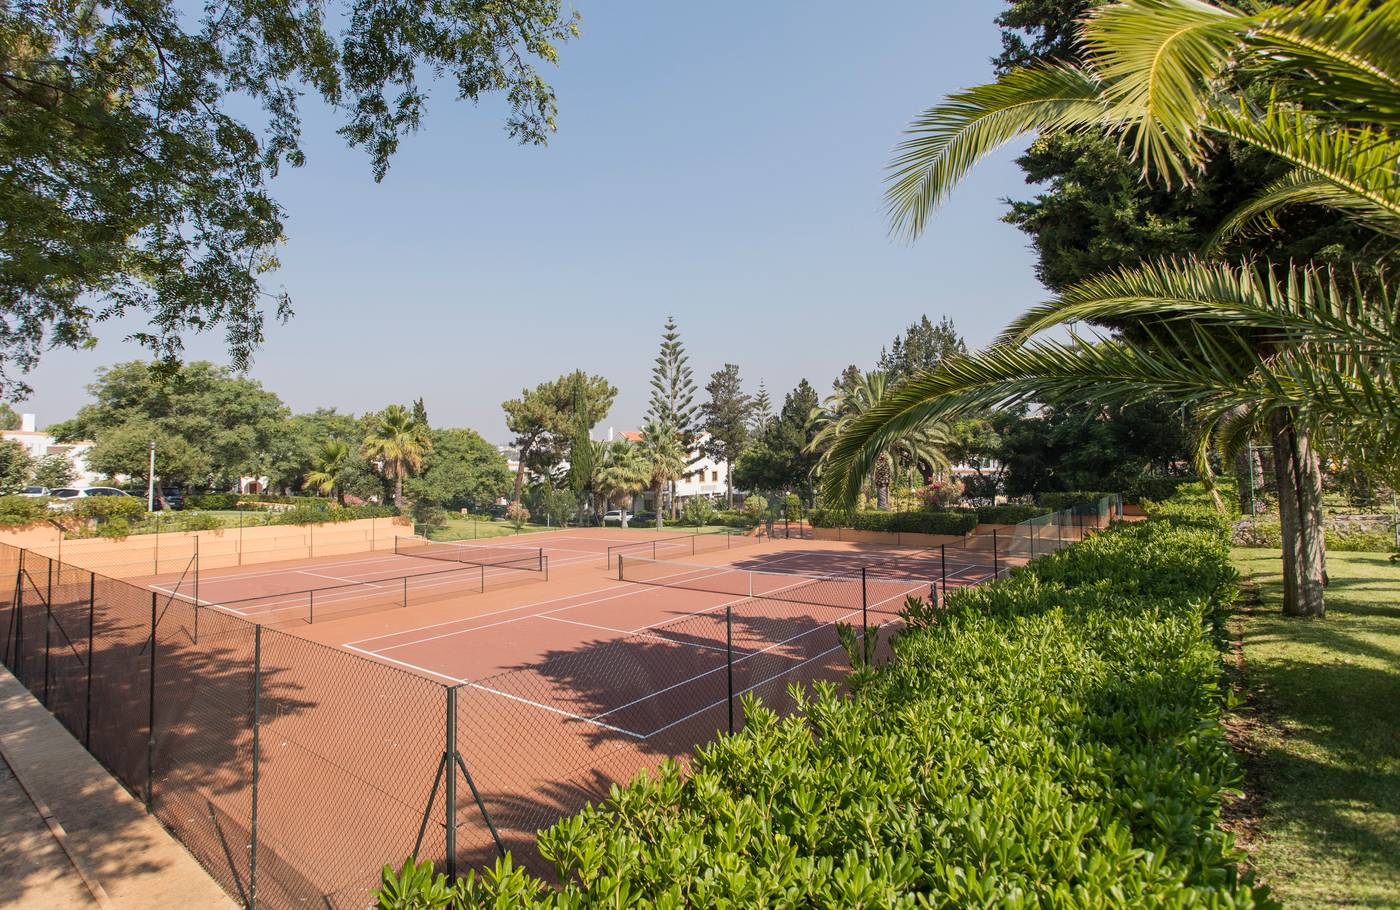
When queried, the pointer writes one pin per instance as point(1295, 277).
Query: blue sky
point(722, 163)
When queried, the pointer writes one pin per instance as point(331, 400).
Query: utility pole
point(151, 481)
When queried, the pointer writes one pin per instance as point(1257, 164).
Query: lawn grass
point(461, 528)
point(1322, 727)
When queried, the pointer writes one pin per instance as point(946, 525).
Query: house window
point(714, 475)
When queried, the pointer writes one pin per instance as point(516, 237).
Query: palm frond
point(946, 141)
point(1301, 187)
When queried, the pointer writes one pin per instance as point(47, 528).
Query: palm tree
point(920, 447)
point(329, 461)
point(399, 442)
point(622, 471)
point(1297, 353)
point(665, 457)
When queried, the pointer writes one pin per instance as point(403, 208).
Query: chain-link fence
point(293, 770)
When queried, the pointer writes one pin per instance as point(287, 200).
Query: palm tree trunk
point(1300, 519)
point(1312, 570)
point(729, 485)
point(398, 489)
point(658, 505)
point(882, 497)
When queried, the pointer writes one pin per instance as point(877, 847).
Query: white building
point(41, 444)
point(703, 476)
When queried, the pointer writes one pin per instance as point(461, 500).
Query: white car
point(64, 495)
point(615, 517)
point(35, 492)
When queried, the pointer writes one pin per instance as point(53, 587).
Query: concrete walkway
point(70, 837)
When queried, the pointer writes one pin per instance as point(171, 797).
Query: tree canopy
point(130, 159)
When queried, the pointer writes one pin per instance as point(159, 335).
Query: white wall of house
point(40, 444)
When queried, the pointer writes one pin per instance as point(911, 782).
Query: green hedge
point(1009, 513)
point(960, 522)
point(239, 500)
point(1054, 502)
point(1053, 740)
point(309, 516)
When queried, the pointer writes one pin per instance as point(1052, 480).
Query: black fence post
point(151, 713)
point(619, 567)
point(996, 569)
point(257, 728)
point(943, 565)
point(405, 590)
point(864, 605)
point(48, 627)
point(450, 808)
point(729, 661)
point(92, 633)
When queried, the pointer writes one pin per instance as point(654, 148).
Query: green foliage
point(304, 515)
point(9, 418)
point(517, 515)
point(210, 425)
point(20, 511)
point(133, 186)
point(15, 466)
point(106, 508)
point(698, 511)
point(461, 470)
point(755, 505)
point(53, 471)
point(1268, 535)
point(1052, 734)
point(554, 506)
point(941, 495)
point(952, 522)
point(727, 418)
point(1054, 502)
point(922, 347)
point(413, 887)
point(780, 456)
point(543, 418)
point(1010, 513)
point(226, 501)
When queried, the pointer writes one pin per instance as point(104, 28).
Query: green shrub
point(1266, 534)
point(754, 505)
point(733, 518)
point(959, 522)
point(1054, 502)
point(1047, 740)
point(17, 511)
point(1155, 487)
point(309, 516)
point(697, 511)
point(106, 508)
point(252, 501)
point(1008, 513)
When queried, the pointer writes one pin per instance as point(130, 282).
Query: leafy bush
point(1268, 535)
point(698, 511)
point(939, 497)
point(793, 507)
point(225, 501)
point(17, 511)
point(755, 505)
point(1051, 739)
point(1154, 487)
point(961, 522)
point(1008, 513)
point(105, 508)
point(308, 516)
point(517, 515)
point(733, 518)
point(1054, 502)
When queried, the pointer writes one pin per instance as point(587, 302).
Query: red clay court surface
point(568, 684)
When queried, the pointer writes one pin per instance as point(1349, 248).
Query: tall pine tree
point(673, 404)
point(726, 421)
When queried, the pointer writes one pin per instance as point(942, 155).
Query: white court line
point(185, 597)
point(784, 672)
point(634, 589)
point(560, 711)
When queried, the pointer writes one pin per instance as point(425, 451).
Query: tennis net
point(846, 590)
point(529, 558)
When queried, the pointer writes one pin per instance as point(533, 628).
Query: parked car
point(642, 518)
point(63, 496)
point(34, 491)
point(615, 516)
point(175, 498)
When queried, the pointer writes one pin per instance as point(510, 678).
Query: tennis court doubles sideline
point(635, 659)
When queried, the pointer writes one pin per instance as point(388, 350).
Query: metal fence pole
point(151, 713)
point(405, 591)
point(996, 569)
point(257, 728)
point(450, 809)
point(311, 607)
point(943, 561)
point(729, 660)
point(19, 619)
point(48, 628)
point(196, 588)
point(864, 602)
point(92, 633)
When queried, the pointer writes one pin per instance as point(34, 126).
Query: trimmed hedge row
point(1009, 513)
point(1054, 502)
point(959, 522)
point(1052, 739)
point(225, 501)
